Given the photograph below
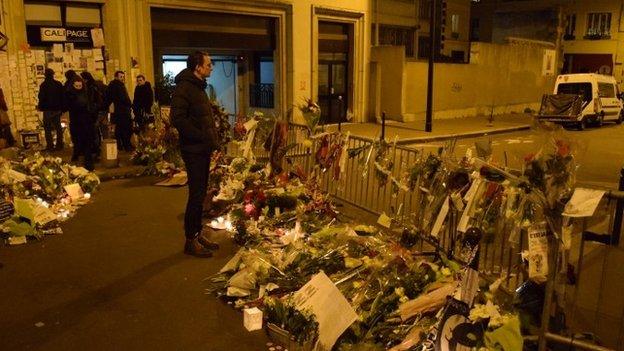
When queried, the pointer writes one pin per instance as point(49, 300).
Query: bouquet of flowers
point(158, 150)
point(311, 112)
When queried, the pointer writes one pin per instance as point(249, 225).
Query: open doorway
point(222, 84)
point(242, 47)
point(335, 82)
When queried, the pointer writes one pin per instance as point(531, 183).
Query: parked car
point(583, 99)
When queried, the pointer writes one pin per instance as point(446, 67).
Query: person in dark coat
point(142, 103)
point(191, 114)
point(81, 106)
point(51, 96)
point(117, 94)
point(96, 99)
point(70, 75)
point(5, 126)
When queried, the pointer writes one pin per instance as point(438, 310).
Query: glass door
point(332, 91)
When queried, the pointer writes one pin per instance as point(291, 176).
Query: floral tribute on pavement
point(37, 193)
point(403, 296)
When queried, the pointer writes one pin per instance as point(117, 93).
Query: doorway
point(334, 73)
point(332, 89)
point(235, 42)
point(222, 84)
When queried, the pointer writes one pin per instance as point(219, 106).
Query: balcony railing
point(261, 95)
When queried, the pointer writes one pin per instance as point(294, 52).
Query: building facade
point(406, 23)
point(269, 55)
point(586, 33)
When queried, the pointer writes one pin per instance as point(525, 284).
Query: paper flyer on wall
point(538, 252)
point(332, 310)
point(97, 36)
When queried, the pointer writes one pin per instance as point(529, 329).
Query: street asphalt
point(117, 280)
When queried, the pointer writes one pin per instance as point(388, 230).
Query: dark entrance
point(334, 83)
point(242, 47)
point(588, 63)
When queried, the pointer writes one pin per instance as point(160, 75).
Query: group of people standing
point(88, 102)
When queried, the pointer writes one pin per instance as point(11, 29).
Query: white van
point(601, 98)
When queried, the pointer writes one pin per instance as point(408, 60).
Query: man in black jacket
point(51, 95)
point(191, 114)
point(117, 94)
point(142, 103)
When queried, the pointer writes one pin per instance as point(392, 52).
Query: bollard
point(109, 153)
point(617, 219)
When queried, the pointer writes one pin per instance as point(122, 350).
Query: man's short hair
point(140, 76)
point(195, 59)
point(49, 73)
point(119, 72)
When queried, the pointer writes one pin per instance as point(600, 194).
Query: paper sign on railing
point(435, 231)
point(332, 310)
point(583, 202)
point(538, 253)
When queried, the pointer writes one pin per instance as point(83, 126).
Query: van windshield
point(584, 89)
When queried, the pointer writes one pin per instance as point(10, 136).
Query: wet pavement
point(117, 280)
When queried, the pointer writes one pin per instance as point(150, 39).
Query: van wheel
point(620, 117)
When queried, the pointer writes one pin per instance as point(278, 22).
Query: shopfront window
point(43, 14)
point(61, 22)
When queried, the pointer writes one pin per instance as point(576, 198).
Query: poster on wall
point(549, 64)
point(97, 36)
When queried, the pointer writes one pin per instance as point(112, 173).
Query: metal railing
point(359, 187)
point(261, 95)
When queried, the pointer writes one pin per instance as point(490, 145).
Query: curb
point(109, 174)
point(479, 133)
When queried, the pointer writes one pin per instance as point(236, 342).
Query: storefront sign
point(53, 34)
point(78, 35)
point(69, 35)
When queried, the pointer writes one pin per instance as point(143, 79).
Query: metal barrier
point(359, 187)
point(596, 303)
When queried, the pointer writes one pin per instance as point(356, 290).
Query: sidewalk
point(413, 132)
point(125, 168)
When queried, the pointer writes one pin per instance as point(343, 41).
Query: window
point(423, 46)
point(43, 14)
point(606, 90)
point(598, 25)
point(82, 16)
point(458, 55)
point(424, 9)
point(474, 29)
point(455, 26)
point(570, 27)
point(398, 36)
point(584, 89)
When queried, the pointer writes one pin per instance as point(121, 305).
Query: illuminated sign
point(53, 34)
point(70, 35)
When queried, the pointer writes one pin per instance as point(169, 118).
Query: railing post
point(617, 219)
point(553, 257)
point(383, 125)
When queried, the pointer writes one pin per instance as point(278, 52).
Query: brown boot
point(211, 245)
point(194, 248)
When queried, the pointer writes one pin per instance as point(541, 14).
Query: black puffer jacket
point(191, 114)
point(51, 94)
